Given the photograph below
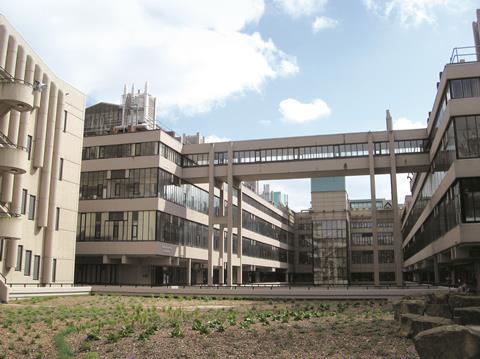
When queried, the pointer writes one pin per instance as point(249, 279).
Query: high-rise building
point(441, 222)
point(41, 121)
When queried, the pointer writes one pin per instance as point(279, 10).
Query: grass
point(191, 327)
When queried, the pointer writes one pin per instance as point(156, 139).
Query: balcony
point(15, 95)
point(10, 224)
point(465, 54)
point(13, 158)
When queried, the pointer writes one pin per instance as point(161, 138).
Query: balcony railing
point(465, 54)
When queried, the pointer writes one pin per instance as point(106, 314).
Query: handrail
point(464, 53)
point(8, 143)
point(4, 278)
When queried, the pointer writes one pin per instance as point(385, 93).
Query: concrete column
point(230, 215)
point(221, 247)
point(436, 274)
point(189, 271)
point(11, 255)
point(476, 34)
point(452, 276)
point(53, 188)
point(41, 129)
point(373, 199)
point(45, 179)
point(476, 267)
point(13, 126)
point(239, 233)
point(22, 141)
point(11, 59)
point(397, 235)
point(3, 45)
point(211, 211)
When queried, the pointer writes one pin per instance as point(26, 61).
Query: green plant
point(176, 332)
point(200, 327)
point(63, 350)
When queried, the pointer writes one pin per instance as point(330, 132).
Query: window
point(31, 208)
point(387, 276)
point(36, 267)
point(57, 219)
point(386, 256)
point(18, 267)
point(60, 170)
point(54, 270)
point(362, 257)
point(28, 263)
point(65, 121)
point(24, 201)
point(29, 146)
point(1, 248)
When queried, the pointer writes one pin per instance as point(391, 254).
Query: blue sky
point(243, 69)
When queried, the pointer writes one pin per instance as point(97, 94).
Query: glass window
point(28, 263)
point(29, 147)
point(18, 266)
point(36, 267)
point(23, 208)
point(31, 207)
point(60, 170)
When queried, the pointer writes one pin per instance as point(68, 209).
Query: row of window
point(164, 227)
point(132, 150)
point(264, 209)
point(445, 216)
point(306, 153)
point(24, 262)
point(144, 182)
point(366, 257)
point(261, 226)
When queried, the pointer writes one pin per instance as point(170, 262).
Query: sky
point(246, 69)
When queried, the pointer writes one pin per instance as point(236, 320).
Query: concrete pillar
point(13, 126)
point(373, 199)
point(22, 141)
point(41, 129)
point(3, 45)
point(452, 275)
point(221, 247)
point(476, 268)
point(230, 216)
point(189, 271)
point(11, 59)
point(397, 235)
point(45, 179)
point(239, 233)
point(53, 187)
point(436, 273)
point(257, 276)
point(476, 34)
point(211, 211)
point(11, 255)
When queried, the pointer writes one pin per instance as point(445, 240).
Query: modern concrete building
point(141, 222)
point(41, 123)
point(339, 242)
point(441, 221)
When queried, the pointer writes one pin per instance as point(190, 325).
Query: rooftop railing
point(465, 54)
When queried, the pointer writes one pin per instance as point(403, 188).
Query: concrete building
point(339, 242)
point(141, 222)
point(41, 122)
point(441, 221)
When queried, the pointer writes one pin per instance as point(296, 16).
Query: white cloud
point(265, 122)
point(412, 12)
point(297, 8)
point(294, 111)
point(194, 54)
point(404, 123)
point(215, 138)
point(323, 22)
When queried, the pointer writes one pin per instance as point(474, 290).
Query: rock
point(409, 306)
point(412, 324)
point(437, 298)
point(448, 342)
point(463, 300)
point(438, 310)
point(468, 315)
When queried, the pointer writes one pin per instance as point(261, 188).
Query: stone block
point(448, 342)
point(412, 324)
point(438, 310)
point(463, 300)
point(468, 315)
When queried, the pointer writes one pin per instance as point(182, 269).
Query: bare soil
point(198, 327)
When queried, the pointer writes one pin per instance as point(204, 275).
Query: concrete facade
point(41, 123)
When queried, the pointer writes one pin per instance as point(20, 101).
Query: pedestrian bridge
point(309, 156)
